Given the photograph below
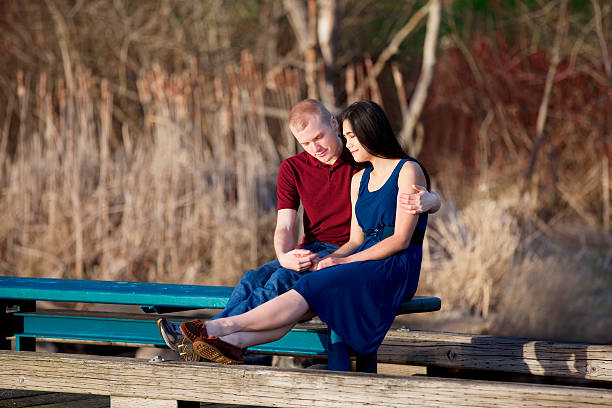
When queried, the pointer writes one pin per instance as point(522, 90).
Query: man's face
point(320, 140)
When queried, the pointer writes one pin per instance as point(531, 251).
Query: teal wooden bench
point(20, 317)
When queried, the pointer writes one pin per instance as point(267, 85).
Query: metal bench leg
point(367, 363)
point(6, 326)
point(25, 343)
point(338, 355)
point(10, 325)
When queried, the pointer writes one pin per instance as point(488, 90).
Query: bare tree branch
point(298, 18)
point(399, 37)
point(325, 30)
point(602, 40)
point(605, 186)
point(550, 76)
point(371, 79)
point(62, 35)
point(420, 93)
point(401, 90)
point(326, 34)
point(392, 48)
point(303, 19)
point(310, 57)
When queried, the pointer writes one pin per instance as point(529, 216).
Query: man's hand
point(329, 261)
point(298, 259)
point(420, 202)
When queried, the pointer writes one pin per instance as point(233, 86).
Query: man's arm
point(284, 243)
point(421, 201)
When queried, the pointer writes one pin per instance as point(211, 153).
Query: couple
point(361, 246)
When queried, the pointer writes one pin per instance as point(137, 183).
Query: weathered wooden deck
point(27, 399)
point(486, 371)
point(138, 383)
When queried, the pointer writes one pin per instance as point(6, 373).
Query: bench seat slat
point(420, 304)
point(144, 331)
point(154, 296)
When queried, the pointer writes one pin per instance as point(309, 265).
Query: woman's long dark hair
point(373, 130)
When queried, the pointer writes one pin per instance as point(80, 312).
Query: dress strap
point(365, 179)
point(396, 171)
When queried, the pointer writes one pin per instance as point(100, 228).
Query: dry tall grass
point(140, 141)
point(494, 258)
point(187, 203)
point(471, 251)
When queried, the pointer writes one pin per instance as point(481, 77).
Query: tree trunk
point(420, 94)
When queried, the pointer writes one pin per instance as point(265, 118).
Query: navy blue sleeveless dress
point(359, 300)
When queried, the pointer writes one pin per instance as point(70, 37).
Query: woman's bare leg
point(253, 338)
point(280, 312)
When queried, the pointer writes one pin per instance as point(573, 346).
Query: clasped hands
point(302, 260)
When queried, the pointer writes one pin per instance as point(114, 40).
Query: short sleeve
point(286, 188)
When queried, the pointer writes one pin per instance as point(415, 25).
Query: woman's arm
point(356, 236)
point(405, 224)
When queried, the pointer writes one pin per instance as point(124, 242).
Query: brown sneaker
point(185, 349)
point(194, 330)
point(214, 349)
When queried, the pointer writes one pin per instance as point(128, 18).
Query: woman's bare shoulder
point(412, 173)
point(357, 176)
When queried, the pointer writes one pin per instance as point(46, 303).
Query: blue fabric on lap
point(259, 285)
point(359, 300)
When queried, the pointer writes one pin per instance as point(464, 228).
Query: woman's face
point(360, 154)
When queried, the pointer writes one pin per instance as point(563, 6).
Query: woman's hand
point(421, 201)
point(330, 261)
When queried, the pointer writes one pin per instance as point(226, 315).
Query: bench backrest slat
point(126, 293)
point(145, 294)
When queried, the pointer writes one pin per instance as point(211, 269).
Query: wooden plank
point(400, 369)
point(131, 402)
point(253, 385)
point(92, 401)
point(526, 356)
point(24, 398)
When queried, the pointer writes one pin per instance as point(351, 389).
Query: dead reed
point(184, 204)
point(495, 259)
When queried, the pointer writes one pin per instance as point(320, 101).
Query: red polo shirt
point(325, 193)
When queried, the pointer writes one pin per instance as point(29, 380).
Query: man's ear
point(334, 123)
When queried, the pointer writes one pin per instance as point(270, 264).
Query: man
point(319, 178)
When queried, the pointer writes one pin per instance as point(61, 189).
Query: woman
point(366, 279)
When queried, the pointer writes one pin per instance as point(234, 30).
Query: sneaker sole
point(186, 350)
point(211, 353)
point(169, 343)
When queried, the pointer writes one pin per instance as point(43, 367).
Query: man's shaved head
point(302, 112)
